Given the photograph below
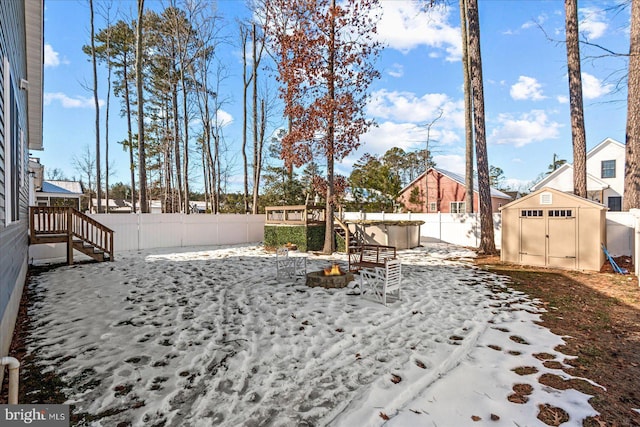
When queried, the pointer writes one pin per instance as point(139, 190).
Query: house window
point(457, 207)
point(615, 203)
point(433, 207)
point(608, 169)
point(13, 148)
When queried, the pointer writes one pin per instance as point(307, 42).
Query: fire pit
point(332, 277)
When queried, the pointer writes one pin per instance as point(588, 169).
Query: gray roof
point(55, 187)
point(461, 179)
point(59, 186)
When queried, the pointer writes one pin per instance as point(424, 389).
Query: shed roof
point(558, 198)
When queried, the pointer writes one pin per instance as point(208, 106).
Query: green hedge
point(309, 238)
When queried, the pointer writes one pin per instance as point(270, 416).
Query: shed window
point(608, 169)
point(531, 213)
point(546, 198)
point(561, 213)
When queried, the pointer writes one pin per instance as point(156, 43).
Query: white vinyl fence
point(464, 229)
point(136, 231)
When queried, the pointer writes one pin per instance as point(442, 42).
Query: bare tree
point(632, 159)
point(487, 243)
point(107, 15)
point(246, 82)
point(85, 165)
point(259, 121)
point(575, 99)
point(96, 101)
point(55, 174)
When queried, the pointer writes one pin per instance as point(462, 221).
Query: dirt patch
point(599, 316)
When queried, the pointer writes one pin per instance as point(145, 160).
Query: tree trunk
point(176, 144)
point(132, 166)
point(185, 157)
point(106, 121)
point(632, 161)
point(575, 99)
point(254, 76)
point(245, 87)
point(487, 243)
point(329, 237)
point(96, 102)
point(258, 158)
point(142, 161)
point(468, 129)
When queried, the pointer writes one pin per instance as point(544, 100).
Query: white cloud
point(593, 23)
point(405, 26)
point(396, 70)
point(51, 57)
point(535, 22)
point(224, 118)
point(407, 107)
point(68, 102)
point(450, 162)
point(562, 99)
point(593, 87)
point(527, 88)
point(407, 136)
point(520, 131)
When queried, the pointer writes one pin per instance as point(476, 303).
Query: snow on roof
point(62, 187)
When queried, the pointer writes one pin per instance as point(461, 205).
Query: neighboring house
point(59, 193)
point(605, 175)
point(21, 69)
point(438, 190)
point(114, 205)
point(196, 206)
point(515, 195)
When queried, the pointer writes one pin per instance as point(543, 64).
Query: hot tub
point(401, 234)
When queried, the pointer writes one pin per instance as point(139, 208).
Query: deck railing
point(299, 215)
point(61, 221)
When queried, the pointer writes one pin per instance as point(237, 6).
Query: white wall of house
point(608, 150)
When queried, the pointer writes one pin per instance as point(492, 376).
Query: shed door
point(561, 249)
point(532, 237)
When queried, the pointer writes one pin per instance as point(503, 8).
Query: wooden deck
point(54, 224)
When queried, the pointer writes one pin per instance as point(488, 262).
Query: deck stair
point(61, 224)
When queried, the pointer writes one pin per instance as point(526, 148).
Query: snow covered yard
point(208, 336)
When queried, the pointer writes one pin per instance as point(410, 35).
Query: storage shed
point(551, 228)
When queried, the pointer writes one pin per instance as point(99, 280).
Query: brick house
point(438, 190)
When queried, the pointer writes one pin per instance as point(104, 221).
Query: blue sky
point(524, 65)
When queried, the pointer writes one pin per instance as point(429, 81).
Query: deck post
point(69, 237)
